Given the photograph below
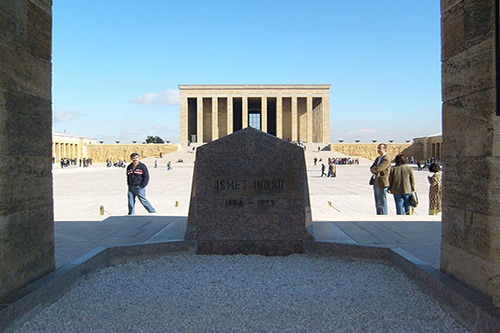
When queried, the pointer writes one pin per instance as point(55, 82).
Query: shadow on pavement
point(75, 238)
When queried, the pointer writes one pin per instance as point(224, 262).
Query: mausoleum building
point(288, 111)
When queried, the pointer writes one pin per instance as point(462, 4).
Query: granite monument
point(249, 195)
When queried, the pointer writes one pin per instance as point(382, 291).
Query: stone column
point(184, 119)
point(244, 113)
point(294, 119)
point(263, 114)
point(26, 213)
point(230, 115)
point(199, 119)
point(470, 248)
point(309, 119)
point(215, 118)
point(326, 118)
point(279, 117)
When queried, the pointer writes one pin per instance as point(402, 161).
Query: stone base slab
point(258, 247)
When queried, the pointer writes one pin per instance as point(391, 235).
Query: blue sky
point(117, 63)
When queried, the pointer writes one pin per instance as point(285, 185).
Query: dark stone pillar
point(26, 214)
point(470, 249)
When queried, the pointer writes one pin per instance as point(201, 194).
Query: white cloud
point(158, 127)
point(168, 97)
point(61, 116)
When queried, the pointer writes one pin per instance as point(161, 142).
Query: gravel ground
point(187, 293)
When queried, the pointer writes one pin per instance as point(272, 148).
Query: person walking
point(435, 192)
point(137, 180)
point(401, 185)
point(380, 179)
point(323, 169)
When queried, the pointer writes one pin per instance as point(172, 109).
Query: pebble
point(245, 293)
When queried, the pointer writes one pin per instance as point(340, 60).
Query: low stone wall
point(369, 150)
point(102, 152)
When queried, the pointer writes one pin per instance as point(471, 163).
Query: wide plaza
point(342, 208)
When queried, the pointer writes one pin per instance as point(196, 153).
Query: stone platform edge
point(467, 307)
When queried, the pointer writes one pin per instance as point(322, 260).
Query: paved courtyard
point(342, 209)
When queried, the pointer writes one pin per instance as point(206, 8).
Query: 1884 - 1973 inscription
point(244, 186)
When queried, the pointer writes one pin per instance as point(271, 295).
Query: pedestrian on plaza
point(331, 167)
point(323, 169)
point(435, 191)
point(156, 164)
point(401, 185)
point(380, 178)
point(169, 165)
point(137, 180)
point(315, 160)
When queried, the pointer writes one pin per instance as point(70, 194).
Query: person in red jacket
point(137, 180)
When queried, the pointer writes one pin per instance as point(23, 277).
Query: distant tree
point(154, 139)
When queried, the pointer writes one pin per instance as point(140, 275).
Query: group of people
point(339, 160)
point(421, 165)
point(332, 168)
point(332, 164)
point(82, 162)
point(116, 164)
point(400, 182)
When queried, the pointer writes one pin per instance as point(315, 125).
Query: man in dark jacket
point(137, 180)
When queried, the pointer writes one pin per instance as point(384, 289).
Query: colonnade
point(68, 150)
point(436, 149)
point(290, 112)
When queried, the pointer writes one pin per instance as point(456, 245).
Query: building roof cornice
point(252, 86)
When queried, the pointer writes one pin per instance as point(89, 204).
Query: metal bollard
point(101, 210)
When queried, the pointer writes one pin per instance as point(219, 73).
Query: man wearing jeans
point(380, 170)
point(137, 180)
